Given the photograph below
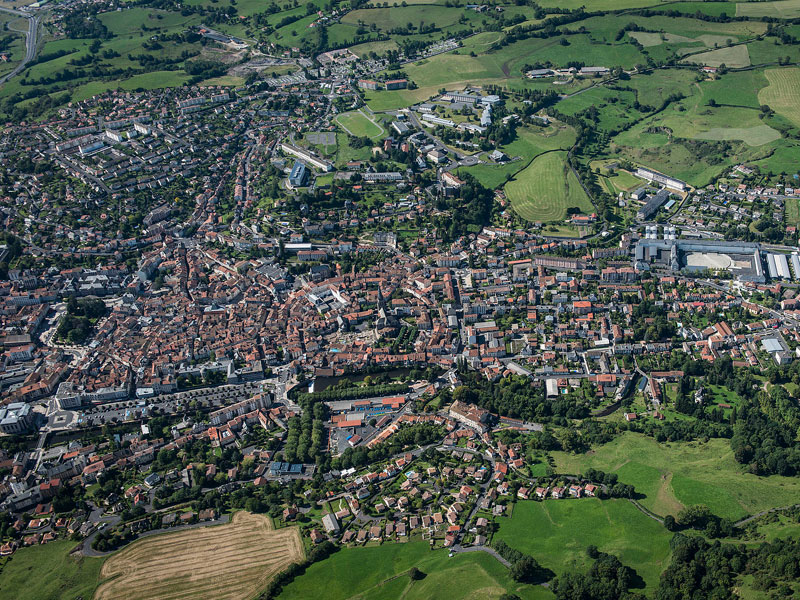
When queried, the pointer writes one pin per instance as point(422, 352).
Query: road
point(30, 42)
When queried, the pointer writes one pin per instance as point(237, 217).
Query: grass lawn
point(368, 573)
point(48, 571)
point(557, 532)
point(546, 188)
point(735, 56)
point(358, 124)
point(679, 474)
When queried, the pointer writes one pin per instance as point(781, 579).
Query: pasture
point(358, 124)
point(202, 562)
point(379, 572)
point(780, 9)
point(557, 532)
point(545, 189)
point(677, 474)
point(783, 93)
point(49, 572)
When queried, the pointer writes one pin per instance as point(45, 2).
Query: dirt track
point(229, 562)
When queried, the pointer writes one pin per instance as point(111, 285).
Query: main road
point(30, 41)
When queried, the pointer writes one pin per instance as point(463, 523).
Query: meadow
point(49, 572)
point(678, 474)
point(780, 9)
point(199, 561)
point(379, 572)
point(557, 533)
point(545, 189)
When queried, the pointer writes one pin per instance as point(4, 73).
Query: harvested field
point(202, 562)
point(783, 92)
point(734, 56)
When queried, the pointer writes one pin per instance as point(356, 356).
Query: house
point(331, 524)
point(630, 416)
point(558, 492)
point(316, 536)
point(575, 491)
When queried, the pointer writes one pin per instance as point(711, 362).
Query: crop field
point(734, 56)
point(229, 562)
point(378, 572)
point(557, 532)
point(783, 92)
point(545, 190)
point(780, 9)
point(678, 474)
point(358, 124)
point(49, 572)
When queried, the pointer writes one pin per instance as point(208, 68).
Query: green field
point(781, 9)
point(357, 123)
point(48, 572)
point(557, 532)
point(369, 573)
point(678, 474)
point(546, 189)
point(783, 93)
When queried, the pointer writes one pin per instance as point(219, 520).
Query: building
point(397, 84)
point(742, 259)
point(299, 175)
point(16, 418)
point(670, 182)
point(368, 84)
point(431, 118)
point(331, 523)
point(307, 157)
point(652, 205)
point(470, 415)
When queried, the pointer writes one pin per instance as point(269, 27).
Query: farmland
point(556, 533)
point(546, 189)
point(783, 92)
point(249, 546)
point(49, 572)
point(378, 572)
point(674, 475)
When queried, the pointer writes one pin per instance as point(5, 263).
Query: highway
point(30, 41)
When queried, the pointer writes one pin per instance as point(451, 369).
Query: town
point(313, 306)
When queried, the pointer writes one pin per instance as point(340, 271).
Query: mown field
point(229, 562)
point(783, 92)
point(679, 474)
point(379, 572)
point(557, 533)
point(359, 124)
point(49, 572)
point(545, 190)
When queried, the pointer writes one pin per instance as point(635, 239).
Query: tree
point(415, 574)
point(526, 570)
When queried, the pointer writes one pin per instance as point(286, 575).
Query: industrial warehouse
point(741, 259)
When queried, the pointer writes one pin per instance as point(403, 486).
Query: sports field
point(228, 562)
point(359, 124)
point(49, 572)
point(557, 532)
point(678, 474)
point(544, 190)
point(378, 572)
point(783, 92)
